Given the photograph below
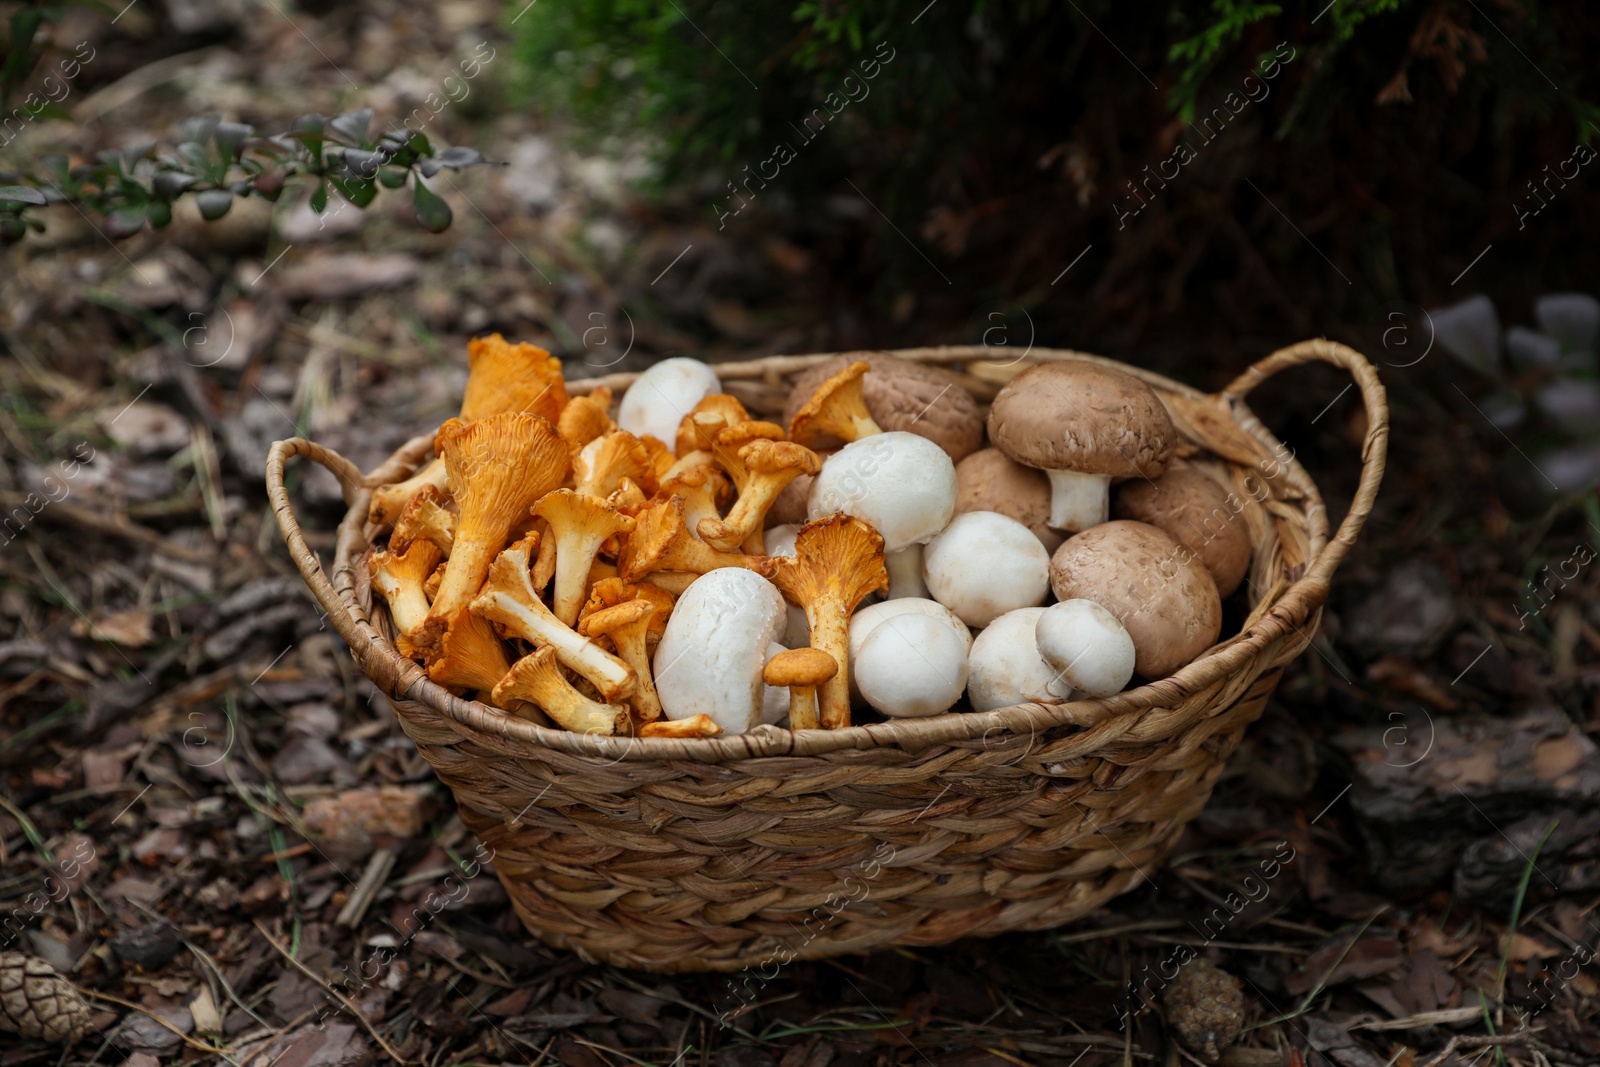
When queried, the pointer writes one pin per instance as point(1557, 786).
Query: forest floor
point(1424, 787)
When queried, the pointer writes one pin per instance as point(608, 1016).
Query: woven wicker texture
point(723, 853)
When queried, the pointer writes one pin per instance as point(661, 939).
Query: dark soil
point(184, 743)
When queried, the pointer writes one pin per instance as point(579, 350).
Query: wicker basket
point(747, 850)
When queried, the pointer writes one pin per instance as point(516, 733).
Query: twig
point(367, 889)
point(225, 1053)
point(1461, 1041)
point(349, 1005)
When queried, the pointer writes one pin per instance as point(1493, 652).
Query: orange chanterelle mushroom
point(837, 562)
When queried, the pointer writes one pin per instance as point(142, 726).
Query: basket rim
point(1280, 611)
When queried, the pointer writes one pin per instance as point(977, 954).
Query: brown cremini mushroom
point(901, 395)
point(538, 680)
point(627, 625)
point(1159, 592)
point(425, 517)
point(769, 467)
point(579, 524)
point(1083, 424)
point(661, 541)
point(1196, 512)
point(801, 671)
point(989, 480)
point(400, 577)
point(499, 466)
point(838, 560)
point(836, 410)
point(508, 601)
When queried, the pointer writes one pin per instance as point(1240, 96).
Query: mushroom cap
point(659, 398)
point(799, 667)
point(1005, 668)
point(901, 395)
point(901, 484)
point(1087, 644)
point(1193, 510)
point(699, 428)
point(863, 622)
point(512, 377)
point(1080, 416)
point(1158, 591)
point(990, 480)
point(983, 565)
point(911, 665)
point(711, 656)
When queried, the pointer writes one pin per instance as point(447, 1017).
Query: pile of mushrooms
point(686, 569)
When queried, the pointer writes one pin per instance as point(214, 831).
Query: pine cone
point(1205, 1008)
point(37, 1002)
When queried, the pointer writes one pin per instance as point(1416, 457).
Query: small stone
point(1205, 1008)
point(38, 1003)
point(151, 946)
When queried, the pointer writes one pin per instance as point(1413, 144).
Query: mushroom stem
point(579, 525)
point(830, 633)
point(626, 624)
point(1078, 500)
point(538, 680)
point(508, 599)
point(400, 578)
point(389, 500)
point(700, 725)
point(769, 466)
point(905, 573)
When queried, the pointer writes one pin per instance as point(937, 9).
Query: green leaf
point(319, 198)
point(213, 203)
point(124, 222)
point(22, 194)
point(352, 126)
point(392, 177)
point(359, 191)
point(432, 212)
point(159, 213)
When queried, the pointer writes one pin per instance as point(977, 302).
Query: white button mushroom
point(911, 665)
point(658, 399)
point(903, 485)
point(1087, 645)
point(1005, 668)
point(984, 564)
point(866, 619)
point(716, 642)
point(775, 698)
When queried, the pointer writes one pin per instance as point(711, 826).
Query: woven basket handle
point(350, 482)
point(1373, 450)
